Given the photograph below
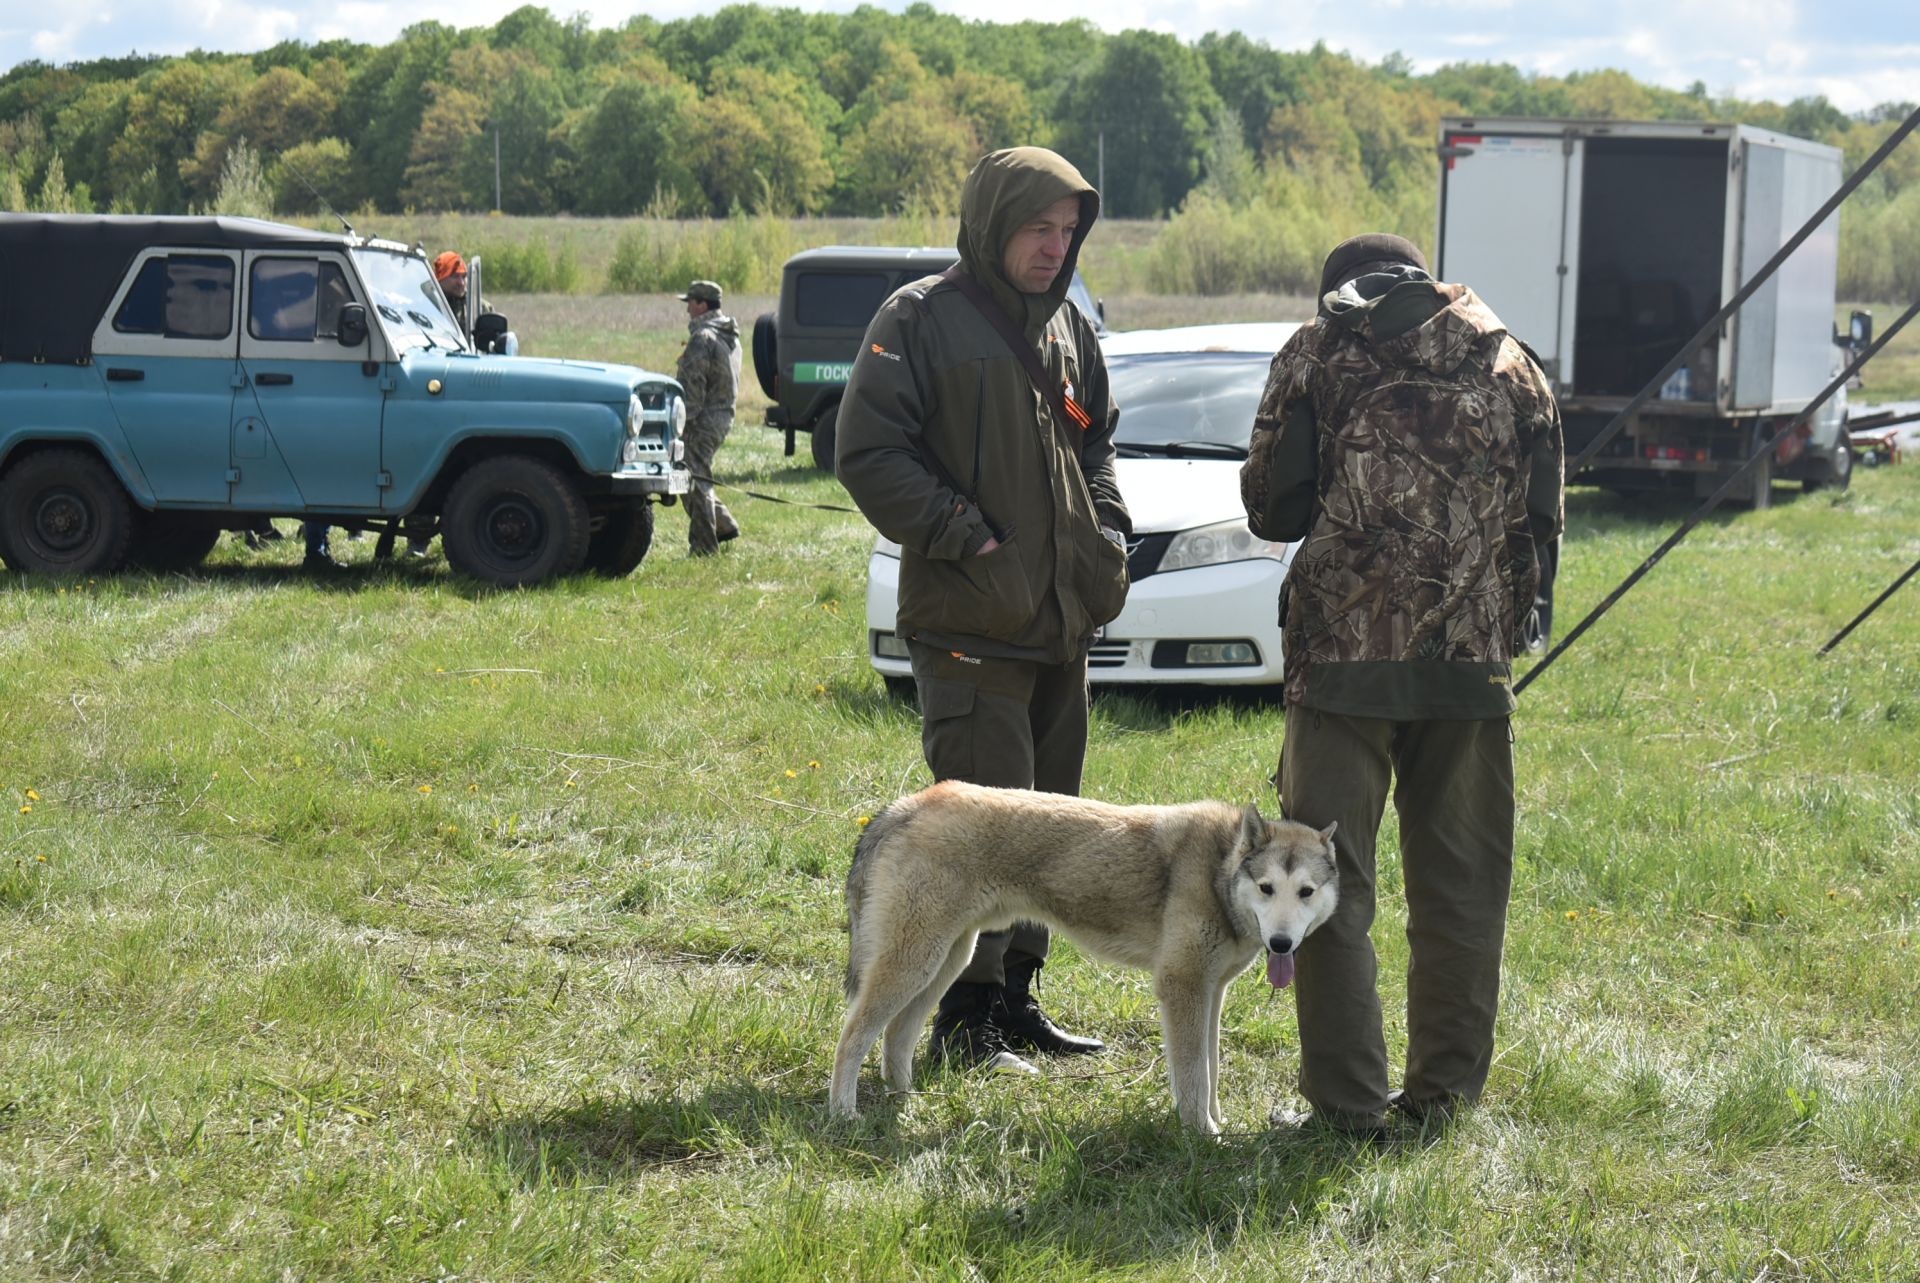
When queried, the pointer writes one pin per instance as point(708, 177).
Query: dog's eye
point(1306, 893)
point(1266, 888)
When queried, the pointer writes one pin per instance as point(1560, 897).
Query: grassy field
point(395, 929)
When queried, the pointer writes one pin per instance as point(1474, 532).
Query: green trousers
point(1452, 787)
point(1005, 723)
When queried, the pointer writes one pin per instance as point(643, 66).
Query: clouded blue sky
point(1858, 53)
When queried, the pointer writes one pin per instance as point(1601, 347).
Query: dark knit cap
point(1357, 255)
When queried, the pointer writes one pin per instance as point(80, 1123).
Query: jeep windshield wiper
point(1182, 449)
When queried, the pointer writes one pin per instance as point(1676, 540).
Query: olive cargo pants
point(1453, 791)
point(1005, 723)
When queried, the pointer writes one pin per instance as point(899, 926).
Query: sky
point(1859, 53)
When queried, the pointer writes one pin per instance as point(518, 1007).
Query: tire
point(63, 512)
point(823, 439)
point(169, 543)
point(1833, 474)
point(766, 356)
point(513, 520)
point(620, 545)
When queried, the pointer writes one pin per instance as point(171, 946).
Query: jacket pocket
point(994, 598)
point(946, 727)
point(1108, 592)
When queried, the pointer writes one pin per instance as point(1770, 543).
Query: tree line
point(864, 113)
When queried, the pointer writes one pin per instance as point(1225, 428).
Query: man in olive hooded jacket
point(1002, 497)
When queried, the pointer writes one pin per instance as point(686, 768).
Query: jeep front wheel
point(514, 520)
point(621, 543)
point(63, 512)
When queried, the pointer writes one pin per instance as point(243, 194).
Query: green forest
point(1258, 157)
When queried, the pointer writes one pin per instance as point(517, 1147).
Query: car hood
point(1165, 495)
point(542, 378)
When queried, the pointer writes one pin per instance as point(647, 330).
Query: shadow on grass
point(1594, 511)
point(1140, 1189)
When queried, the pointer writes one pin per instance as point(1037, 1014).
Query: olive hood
point(1005, 189)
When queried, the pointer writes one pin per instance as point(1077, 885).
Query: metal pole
point(496, 169)
point(1713, 501)
point(1861, 618)
point(1103, 165)
point(1747, 291)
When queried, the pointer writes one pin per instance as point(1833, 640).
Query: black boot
point(965, 1035)
point(1025, 1026)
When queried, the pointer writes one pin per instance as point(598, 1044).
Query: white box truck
point(1606, 245)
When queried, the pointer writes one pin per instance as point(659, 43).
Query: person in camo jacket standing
point(709, 374)
point(1414, 445)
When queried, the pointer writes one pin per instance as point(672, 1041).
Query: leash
point(772, 498)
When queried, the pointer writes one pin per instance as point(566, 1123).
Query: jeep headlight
point(1218, 544)
point(679, 416)
point(635, 412)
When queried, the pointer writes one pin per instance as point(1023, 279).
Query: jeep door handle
point(273, 380)
point(121, 375)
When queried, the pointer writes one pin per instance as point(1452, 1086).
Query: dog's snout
point(1280, 943)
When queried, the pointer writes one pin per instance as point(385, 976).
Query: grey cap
point(1358, 255)
point(702, 292)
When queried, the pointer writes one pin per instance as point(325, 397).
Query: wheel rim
point(512, 530)
point(63, 521)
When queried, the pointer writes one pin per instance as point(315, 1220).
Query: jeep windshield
point(408, 300)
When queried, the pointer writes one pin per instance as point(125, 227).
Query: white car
point(1204, 602)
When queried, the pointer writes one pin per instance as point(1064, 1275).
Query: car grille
point(1109, 654)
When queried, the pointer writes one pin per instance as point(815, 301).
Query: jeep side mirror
point(353, 324)
point(1860, 329)
point(489, 332)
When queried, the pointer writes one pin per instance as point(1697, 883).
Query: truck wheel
point(168, 543)
point(514, 520)
point(823, 438)
point(1832, 474)
point(621, 543)
point(766, 356)
point(63, 512)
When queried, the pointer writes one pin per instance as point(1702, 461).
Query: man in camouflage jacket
point(1416, 449)
point(709, 374)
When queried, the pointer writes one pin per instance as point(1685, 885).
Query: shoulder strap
point(1065, 408)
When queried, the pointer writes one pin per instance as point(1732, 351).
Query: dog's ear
point(1326, 834)
point(1253, 828)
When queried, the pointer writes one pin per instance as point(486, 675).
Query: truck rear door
point(1510, 229)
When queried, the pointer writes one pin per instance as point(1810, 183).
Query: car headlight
point(1218, 544)
point(634, 412)
point(679, 415)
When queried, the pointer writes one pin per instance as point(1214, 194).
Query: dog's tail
point(870, 839)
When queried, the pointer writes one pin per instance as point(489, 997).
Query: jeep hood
point(534, 378)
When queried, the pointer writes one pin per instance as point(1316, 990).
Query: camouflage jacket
point(1416, 449)
point(709, 370)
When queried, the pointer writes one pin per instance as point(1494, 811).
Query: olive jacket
point(943, 441)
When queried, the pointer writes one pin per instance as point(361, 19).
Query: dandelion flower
point(41, 858)
point(426, 788)
point(865, 820)
point(473, 788)
point(819, 688)
point(567, 784)
point(813, 766)
point(793, 774)
point(32, 796)
point(1572, 914)
point(27, 809)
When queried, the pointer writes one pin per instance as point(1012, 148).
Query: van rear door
point(1510, 229)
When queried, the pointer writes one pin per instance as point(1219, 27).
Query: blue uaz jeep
point(163, 379)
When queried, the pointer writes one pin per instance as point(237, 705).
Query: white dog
point(1192, 893)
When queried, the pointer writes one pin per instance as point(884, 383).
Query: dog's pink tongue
point(1279, 969)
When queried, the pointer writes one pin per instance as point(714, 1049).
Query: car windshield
point(1199, 403)
point(411, 308)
